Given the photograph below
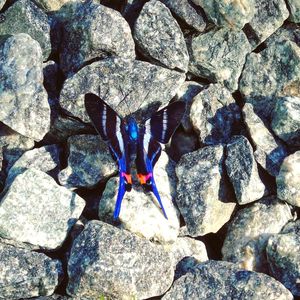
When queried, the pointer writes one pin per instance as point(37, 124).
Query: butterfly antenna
point(124, 100)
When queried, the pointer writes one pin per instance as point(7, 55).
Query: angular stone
point(26, 274)
point(269, 152)
point(2, 2)
point(248, 232)
point(288, 180)
point(51, 5)
point(219, 55)
point(214, 115)
point(89, 162)
point(223, 280)
point(294, 7)
point(159, 36)
point(146, 86)
point(202, 191)
point(37, 211)
point(140, 212)
point(23, 99)
point(109, 262)
point(25, 17)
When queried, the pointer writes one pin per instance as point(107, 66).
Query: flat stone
point(36, 210)
point(89, 162)
point(24, 100)
point(249, 231)
point(288, 180)
point(159, 36)
point(203, 194)
point(294, 7)
point(115, 263)
point(219, 55)
point(26, 274)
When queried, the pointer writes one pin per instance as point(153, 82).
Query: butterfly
point(129, 141)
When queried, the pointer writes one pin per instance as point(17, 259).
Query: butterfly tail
point(156, 194)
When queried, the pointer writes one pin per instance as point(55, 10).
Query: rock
point(37, 211)
point(232, 14)
point(140, 212)
point(269, 152)
point(51, 5)
point(159, 36)
point(294, 7)
point(242, 170)
point(288, 180)
point(219, 55)
point(89, 162)
point(223, 280)
point(132, 9)
point(286, 120)
point(202, 191)
point(27, 274)
point(188, 13)
point(109, 262)
point(25, 17)
point(249, 231)
point(2, 2)
point(146, 86)
point(292, 227)
point(214, 115)
point(24, 100)
point(283, 252)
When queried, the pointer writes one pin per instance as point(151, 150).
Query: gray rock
point(25, 17)
point(187, 13)
point(286, 120)
point(219, 55)
point(24, 100)
point(159, 36)
point(89, 162)
point(91, 31)
point(37, 211)
point(146, 86)
point(109, 262)
point(288, 180)
point(228, 13)
point(294, 7)
point(269, 152)
point(223, 280)
point(51, 5)
point(202, 191)
point(214, 115)
point(292, 227)
point(26, 274)
point(249, 231)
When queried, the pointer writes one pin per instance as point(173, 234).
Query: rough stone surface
point(51, 5)
point(202, 191)
point(25, 17)
point(147, 86)
point(26, 274)
point(140, 212)
point(37, 211)
point(2, 2)
point(269, 152)
point(223, 280)
point(159, 36)
point(249, 231)
point(214, 115)
point(109, 262)
point(288, 180)
point(219, 55)
point(24, 101)
point(294, 7)
point(89, 162)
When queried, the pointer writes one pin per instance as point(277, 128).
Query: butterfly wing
point(111, 128)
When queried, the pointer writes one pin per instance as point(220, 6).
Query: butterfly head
point(133, 130)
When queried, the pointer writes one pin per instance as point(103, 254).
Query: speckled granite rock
point(214, 115)
point(288, 180)
point(140, 212)
point(26, 274)
point(159, 37)
point(147, 86)
point(294, 7)
point(269, 152)
point(89, 162)
point(223, 280)
point(202, 191)
point(100, 260)
point(219, 55)
point(25, 17)
point(51, 5)
point(37, 211)
point(23, 99)
point(249, 231)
